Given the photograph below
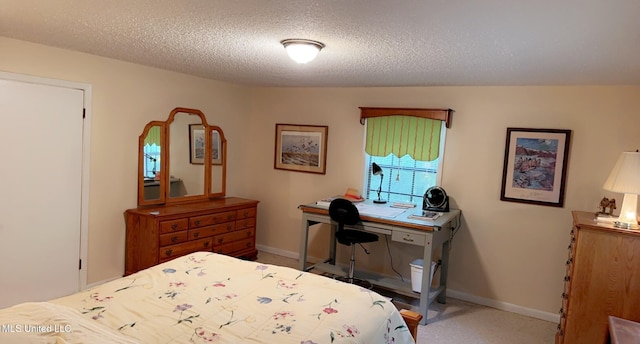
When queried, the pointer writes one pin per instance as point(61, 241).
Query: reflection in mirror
point(186, 174)
point(218, 154)
point(172, 156)
point(151, 163)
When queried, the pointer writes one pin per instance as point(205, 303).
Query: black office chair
point(344, 213)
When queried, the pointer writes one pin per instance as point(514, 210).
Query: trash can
point(416, 274)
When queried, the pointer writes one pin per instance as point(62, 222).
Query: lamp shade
point(302, 50)
point(625, 176)
point(375, 169)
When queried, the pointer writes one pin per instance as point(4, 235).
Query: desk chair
point(344, 213)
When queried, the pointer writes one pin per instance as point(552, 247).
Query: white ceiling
point(368, 42)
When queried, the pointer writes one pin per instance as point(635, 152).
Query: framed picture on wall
point(196, 145)
point(301, 148)
point(535, 166)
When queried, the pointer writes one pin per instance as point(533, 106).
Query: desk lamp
point(377, 170)
point(625, 178)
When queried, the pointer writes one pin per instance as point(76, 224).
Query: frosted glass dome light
point(302, 50)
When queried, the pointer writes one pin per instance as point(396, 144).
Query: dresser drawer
point(234, 236)
point(236, 246)
point(246, 223)
point(173, 251)
point(203, 232)
point(211, 219)
point(173, 226)
point(173, 238)
point(246, 213)
point(409, 238)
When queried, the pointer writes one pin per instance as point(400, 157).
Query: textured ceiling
point(368, 42)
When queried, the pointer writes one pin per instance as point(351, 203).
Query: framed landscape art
point(301, 148)
point(535, 166)
point(196, 145)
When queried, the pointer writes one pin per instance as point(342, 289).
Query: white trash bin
point(416, 274)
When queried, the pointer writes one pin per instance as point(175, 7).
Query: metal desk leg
point(304, 237)
point(444, 270)
point(426, 273)
point(332, 244)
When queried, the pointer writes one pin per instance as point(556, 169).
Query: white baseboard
point(95, 284)
point(288, 254)
point(504, 306)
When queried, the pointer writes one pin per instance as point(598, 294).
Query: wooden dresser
point(602, 280)
point(158, 234)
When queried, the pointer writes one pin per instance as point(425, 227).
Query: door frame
point(86, 145)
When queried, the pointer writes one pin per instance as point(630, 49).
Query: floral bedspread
point(210, 298)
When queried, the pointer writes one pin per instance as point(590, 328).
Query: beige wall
point(125, 98)
point(508, 254)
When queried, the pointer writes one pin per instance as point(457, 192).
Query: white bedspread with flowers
point(210, 298)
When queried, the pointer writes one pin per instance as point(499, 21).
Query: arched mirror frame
point(166, 159)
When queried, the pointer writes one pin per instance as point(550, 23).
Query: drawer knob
point(409, 239)
point(206, 244)
point(248, 233)
point(569, 261)
point(196, 234)
point(174, 226)
point(565, 296)
point(174, 239)
point(220, 241)
point(197, 222)
point(229, 217)
point(168, 252)
point(246, 214)
point(248, 244)
point(567, 278)
point(229, 227)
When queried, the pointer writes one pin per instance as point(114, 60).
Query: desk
point(401, 228)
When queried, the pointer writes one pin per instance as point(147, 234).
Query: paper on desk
point(378, 210)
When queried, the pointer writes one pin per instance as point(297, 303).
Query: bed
point(205, 297)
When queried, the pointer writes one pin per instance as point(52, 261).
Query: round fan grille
point(436, 197)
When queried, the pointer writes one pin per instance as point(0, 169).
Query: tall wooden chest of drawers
point(158, 234)
point(602, 280)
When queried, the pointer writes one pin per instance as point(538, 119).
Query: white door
point(40, 191)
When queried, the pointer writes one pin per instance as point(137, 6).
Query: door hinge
point(84, 113)
point(80, 264)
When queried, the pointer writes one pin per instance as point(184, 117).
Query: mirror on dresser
point(171, 159)
point(182, 202)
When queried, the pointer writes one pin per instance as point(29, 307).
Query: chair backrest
point(343, 212)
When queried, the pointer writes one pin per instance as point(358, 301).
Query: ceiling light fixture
point(302, 50)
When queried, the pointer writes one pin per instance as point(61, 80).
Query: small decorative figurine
point(607, 203)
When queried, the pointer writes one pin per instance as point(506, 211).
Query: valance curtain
point(153, 136)
point(401, 135)
point(403, 131)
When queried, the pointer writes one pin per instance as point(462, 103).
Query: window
point(151, 151)
point(408, 148)
point(404, 179)
point(152, 160)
